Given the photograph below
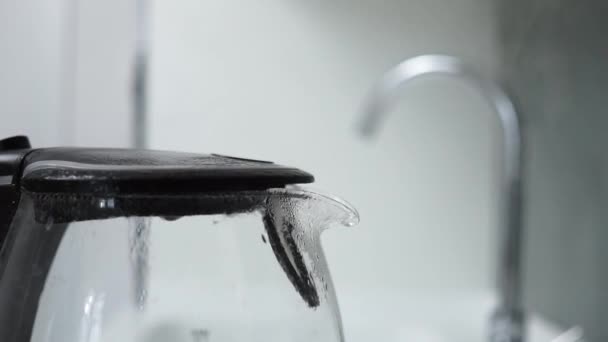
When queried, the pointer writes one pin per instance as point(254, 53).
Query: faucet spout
point(507, 323)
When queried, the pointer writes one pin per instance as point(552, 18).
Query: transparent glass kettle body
point(256, 275)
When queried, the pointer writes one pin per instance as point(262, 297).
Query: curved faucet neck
point(416, 67)
point(509, 272)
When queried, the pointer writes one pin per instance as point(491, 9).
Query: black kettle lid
point(113, 171)
point(129, 171)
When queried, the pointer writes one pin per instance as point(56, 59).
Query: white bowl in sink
point(408, 316)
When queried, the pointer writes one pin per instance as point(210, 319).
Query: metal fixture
point(139, 96)
point(507, 322)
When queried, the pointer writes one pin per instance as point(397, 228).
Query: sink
point(431, 316)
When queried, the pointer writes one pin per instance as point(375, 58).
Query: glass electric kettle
point(153, 246)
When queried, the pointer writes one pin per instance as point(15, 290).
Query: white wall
point(30, 69)
point(65, 71)
point(99, 82)
point(283, 80)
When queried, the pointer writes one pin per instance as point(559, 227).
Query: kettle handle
point(9, 200)
point(12, 151)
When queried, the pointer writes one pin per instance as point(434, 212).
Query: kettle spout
point(294, 220)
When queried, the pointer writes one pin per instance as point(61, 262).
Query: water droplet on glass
point(49, 224)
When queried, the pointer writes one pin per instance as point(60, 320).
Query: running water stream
point(139, 244)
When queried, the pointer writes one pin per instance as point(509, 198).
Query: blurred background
point(285, 80)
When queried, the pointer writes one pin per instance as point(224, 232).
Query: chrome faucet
point(507, 323)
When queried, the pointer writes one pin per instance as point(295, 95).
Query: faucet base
point(507, 326)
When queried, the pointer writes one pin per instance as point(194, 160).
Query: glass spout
point(294, 220)
point(320, 210)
